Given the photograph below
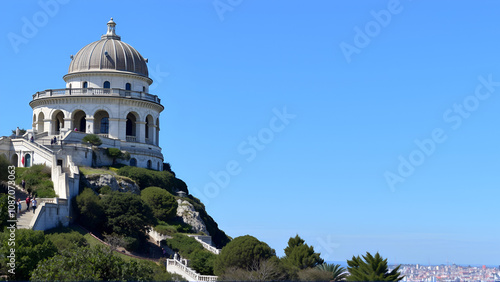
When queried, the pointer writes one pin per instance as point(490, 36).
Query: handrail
point(189, 271)
point(114, 92)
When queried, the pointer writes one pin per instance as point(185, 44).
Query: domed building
point(106, 93)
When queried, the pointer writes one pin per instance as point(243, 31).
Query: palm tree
point(338, 273)
point(373, 268)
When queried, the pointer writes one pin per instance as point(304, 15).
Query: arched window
point(58, 121)
point(149, 164)
point(40, 122)
point(104, 125)
point(106, 85)
point(80, 121)
point(130, 127)
point(101, 122)
point(128, 86)
point(85, 84)
point(133, 162)
point(144, 89)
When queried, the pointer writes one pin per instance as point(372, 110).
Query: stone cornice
point(110, 73)
point(96, 100)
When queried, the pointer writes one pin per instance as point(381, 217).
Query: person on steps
point(33, 203)
point(28, 201)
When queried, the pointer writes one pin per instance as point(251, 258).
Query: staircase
point(206, 242)
point(177, 267)
point(24, 218)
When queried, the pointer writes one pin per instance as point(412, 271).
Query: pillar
point(89, 120)
point(117, 128)
point(68, 124)
point(152, 134)
point(48, 126)
point(140, 131)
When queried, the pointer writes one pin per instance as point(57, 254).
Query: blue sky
point(302, 110)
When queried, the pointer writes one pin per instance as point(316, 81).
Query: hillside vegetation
point(129, 216)
point(38, 181)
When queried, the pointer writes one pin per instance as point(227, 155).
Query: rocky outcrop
point(190, 216)
point(116, 183)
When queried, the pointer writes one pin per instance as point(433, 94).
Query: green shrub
point(184, 245)
point(147, 178)
point(126, 214)
point(105, 190)
point(116, 153)
point(67, 241)
point(4, 163)
point(92, 139)
point(201, 260)
point(132, 244)
point(166, 229)
point(44, 193)
point(37, 180)
point(162, 203)
point(242, 252)
point(89, 209)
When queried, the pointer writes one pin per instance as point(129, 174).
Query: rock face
point(190, 216)
point(117, 183)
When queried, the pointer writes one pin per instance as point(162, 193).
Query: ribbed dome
point(108, 54)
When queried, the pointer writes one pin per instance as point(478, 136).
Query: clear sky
point(359, 125)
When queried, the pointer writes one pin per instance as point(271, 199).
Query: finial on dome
point(110, 34)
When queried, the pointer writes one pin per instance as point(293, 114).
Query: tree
point(203, 262)
point(337, 273)
point(95, 264)
point(4, 210)
point(31, 247)
point(126, 214)
point(92, 139)
point(264, 270)
point(90, 210)
point(67, 240)
point(372, 268)
point(162, 203)
point(300, 255)
point(313, 274)
point(242, 252)
point(4, 171)
point(116, 153)
point(22, 131)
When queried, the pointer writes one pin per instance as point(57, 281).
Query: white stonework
point(106, 93)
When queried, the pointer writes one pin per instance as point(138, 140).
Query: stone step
point(24, 219)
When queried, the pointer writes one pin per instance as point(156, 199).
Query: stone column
point(116, 128)
point(48, 126)
point(152, 134)
point(89, 123)
point(140, 131)
point(68, 124)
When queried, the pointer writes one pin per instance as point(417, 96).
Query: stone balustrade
point(95, 92)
